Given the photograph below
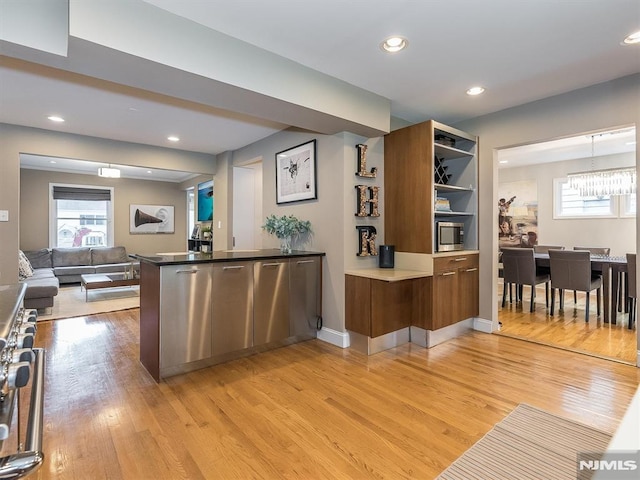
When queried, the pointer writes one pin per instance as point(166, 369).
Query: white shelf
point(451, 188)
point(441, 213)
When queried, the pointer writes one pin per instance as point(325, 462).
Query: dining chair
point(546, 248)
point(519, 269)
point(595, 251)
point(631, 288)
point(571, 270)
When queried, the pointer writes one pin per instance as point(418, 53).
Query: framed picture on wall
point(205, 201)
point(296, 173)
point(151, 219)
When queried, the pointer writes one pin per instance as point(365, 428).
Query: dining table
point(609, 267)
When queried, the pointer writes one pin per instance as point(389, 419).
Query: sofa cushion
point(39, 258)
point(42, 284)
point(104, 255)
point(24, 266)
point(65, 257)
point(73, 270)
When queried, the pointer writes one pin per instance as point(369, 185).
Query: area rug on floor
point(529, 443)
point(70, 302)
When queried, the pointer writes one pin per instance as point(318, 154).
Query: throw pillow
point(25, 270)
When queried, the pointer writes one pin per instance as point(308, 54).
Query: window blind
point(81, 193)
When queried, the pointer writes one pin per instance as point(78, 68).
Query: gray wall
point(15, 140)
point(600, 107)
point(332, 215)
point(34, 211)
point(619, 233)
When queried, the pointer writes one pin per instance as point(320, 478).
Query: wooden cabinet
point(376, 307)
point(431, 175)
point(455, 289)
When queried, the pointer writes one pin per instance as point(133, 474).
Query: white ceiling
point(520, 51)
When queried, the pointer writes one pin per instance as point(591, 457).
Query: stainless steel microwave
point(449, 236)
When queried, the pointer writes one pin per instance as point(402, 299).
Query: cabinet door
point(391, 306)
point(185, 314)
point(305, 308)
point(446, 298)
point(232, 307)
point(469, 296)
point(358, 304)
point(271, 301)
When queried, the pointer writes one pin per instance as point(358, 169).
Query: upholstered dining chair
point(519, 268)
point(631, 288)
point(546, 248)
point(594, 251)
point(571, 270)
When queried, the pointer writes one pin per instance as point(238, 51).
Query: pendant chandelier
point(598, 183)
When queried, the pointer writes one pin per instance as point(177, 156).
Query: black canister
point(386, 256)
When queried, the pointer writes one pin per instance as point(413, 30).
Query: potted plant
point(206, 232)
point(285, 228)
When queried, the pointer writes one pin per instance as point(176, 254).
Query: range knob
point(23, 355)
point(24, 340)
point(18, 375)
point(27, 328)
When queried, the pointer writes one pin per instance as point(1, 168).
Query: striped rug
point(528, 443)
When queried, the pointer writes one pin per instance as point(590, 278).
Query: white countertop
point(388, 274)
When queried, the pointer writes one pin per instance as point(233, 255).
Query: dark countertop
point(182, 258)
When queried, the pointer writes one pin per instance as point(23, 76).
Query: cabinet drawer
point(443, 264)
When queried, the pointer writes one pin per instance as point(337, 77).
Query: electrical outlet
point(4, 215)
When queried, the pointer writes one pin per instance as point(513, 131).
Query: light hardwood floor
point(309, 411)
point(567, 329)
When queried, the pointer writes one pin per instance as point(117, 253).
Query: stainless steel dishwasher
point(232, 307)
point(185, 314)
point(271, 301)
point(305, 278)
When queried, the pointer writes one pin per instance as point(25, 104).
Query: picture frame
point(151, 219)
point(205, 202)
point(296, 179)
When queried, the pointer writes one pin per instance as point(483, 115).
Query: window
point(191, 216)
point(80, 216)
point(569, 204)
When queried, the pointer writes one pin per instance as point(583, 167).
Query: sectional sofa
point(52, 267)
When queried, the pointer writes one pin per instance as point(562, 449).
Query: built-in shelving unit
point(431, 174)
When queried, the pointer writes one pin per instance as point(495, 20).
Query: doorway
point(247, 206)
point(545, 211)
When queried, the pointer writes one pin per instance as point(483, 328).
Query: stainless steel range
point(21, 367)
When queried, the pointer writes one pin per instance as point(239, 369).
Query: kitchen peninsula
point(199, 309)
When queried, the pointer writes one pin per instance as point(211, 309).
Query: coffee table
point(93, 281)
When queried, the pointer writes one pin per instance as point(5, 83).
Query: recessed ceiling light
point(475, 91)
point(394, 44)
point(504, 161)
point(149, 172)
point(55, 118)
point(632, 39)
point(173, 138)
point(52, 161)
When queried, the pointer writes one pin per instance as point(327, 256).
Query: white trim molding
point(334, 337)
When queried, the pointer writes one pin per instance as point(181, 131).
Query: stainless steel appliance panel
point(305, 299)
point(185, 313)
point(232, 307)
point(271, 301)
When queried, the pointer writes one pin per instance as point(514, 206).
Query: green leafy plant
point(286, 226)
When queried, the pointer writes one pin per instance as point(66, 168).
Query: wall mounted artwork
point(151, 219)
point(205, 201)
point(518, 214)
point(296, 173)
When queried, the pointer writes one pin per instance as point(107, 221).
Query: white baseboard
point(334, 337)
point(483, 325)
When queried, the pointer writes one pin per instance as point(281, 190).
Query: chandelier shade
point(597, 183)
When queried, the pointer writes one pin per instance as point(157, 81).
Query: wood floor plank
point(309, 411)
point(567, 328)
